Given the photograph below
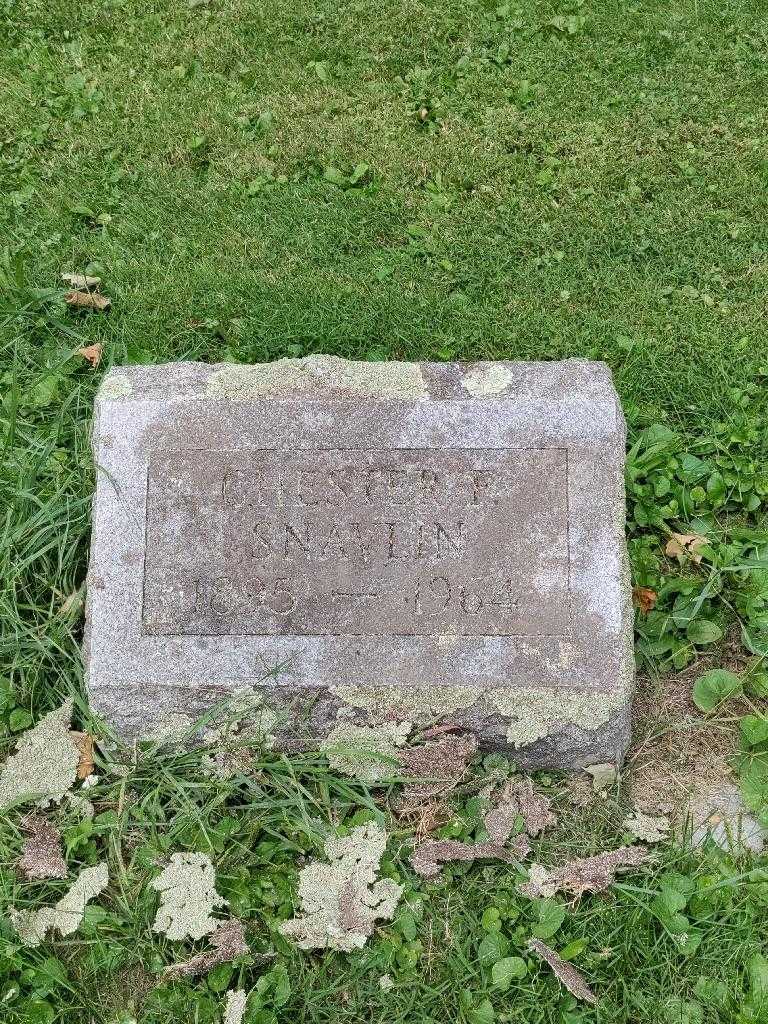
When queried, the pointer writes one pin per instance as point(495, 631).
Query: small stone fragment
point(42, 856)
point(341, 901)
point(234, 1009)
point(428, 856)
point(718, 812)
point(587, 874)
point(565, 973)
point(187, 888)
point(45, 763)
point(646, 827)
point(386, 984)
point(65, 916)
point(228, 942)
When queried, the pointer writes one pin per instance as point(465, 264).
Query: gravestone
point(365, 543)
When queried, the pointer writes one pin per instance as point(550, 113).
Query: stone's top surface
point(324, 377)
point(438, 535)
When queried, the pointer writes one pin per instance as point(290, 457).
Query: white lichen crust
point(341, 901)
point(319, 374)
point(65, 916)
point(114, 386)
point(45, 763)
point(187, 888)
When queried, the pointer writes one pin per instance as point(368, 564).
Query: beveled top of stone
point(327, 377)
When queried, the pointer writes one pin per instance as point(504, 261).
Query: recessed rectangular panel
point(379, 542)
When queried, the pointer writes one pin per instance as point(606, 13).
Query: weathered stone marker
point(376, 541)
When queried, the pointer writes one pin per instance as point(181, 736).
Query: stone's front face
point(431, 541)
point(402, 542)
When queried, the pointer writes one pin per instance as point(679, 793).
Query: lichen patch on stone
point(342, 900)
point(365, 752)
point(535, 713)
point(115, 385)
point(487, 379)
point(188, 896)
point(65, 916)
point(324, 375)
point(45, 763)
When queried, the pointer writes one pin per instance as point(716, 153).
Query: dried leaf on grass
point(682, 545)
point(435, 769)
point(428, 857)
point(234, 1010)
point(518, 799)
point(341, 901)
point(91, 352)
point(644, 598)
point(82, 282)
point(45, 763)
point(587, 874)
point(84, 744)
point(33, 925)
point(188, 896)
point(603, 775)
point(42, 855)
point(228, 943)
point(87, 300)
point(565, 973)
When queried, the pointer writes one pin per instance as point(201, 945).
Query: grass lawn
point(463, 180)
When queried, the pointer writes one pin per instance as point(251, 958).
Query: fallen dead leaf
point(644, 598)
point(42, 853)
point(82, 282)
point(436, 768)
point(517, 799)
point(228, 942)
point(565, 973)
point(685, 545)
point(603, 776)
point(586, 874)
point(427, 857)
point(92, 353)
point(87, 300)
point(84, 743)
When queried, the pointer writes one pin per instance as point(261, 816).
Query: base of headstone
point(336, 542)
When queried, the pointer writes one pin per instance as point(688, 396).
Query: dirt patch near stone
point(676, 750)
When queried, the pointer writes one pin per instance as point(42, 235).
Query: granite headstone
point(365, 542)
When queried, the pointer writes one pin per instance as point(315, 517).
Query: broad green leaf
point(753, 731)
point(704, 631)
point(714, 687)
point(483, 1013)
point(492, 948)
point(505, 971)
point(551, 915)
